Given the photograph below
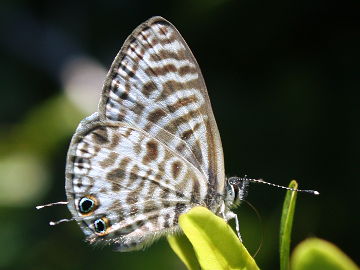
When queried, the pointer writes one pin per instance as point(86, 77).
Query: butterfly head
point(236, 189)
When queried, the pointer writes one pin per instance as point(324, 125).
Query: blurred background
point(283, 78)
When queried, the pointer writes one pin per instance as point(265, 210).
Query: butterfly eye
point(87, 204)
point(101, 225)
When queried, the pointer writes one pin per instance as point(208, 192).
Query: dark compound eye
point(101, 225)
point(86, 205)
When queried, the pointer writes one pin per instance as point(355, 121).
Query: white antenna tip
point(50, 204)
point(52, 223)
point(316, 192)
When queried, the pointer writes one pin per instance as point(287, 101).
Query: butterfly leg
point(237, 227)
point(232, 215)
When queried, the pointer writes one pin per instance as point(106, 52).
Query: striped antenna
point(314, 192)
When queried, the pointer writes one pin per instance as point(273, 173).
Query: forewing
point(156, 85)
point(139, 185)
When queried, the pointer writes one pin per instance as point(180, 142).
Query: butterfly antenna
point(50, 204)
point(314, 192)
point(53, 223)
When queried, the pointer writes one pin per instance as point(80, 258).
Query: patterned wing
point(125, 187)
point(155, 84)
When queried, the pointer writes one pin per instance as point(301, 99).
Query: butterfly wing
point(156, 85)
point(138, 185)
point(153, 150)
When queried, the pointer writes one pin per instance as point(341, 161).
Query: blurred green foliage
point(283, 81)
point(315, 253)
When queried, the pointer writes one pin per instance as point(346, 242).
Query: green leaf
point(315, 253)
point(286, 225)
point(183, 248)
point(216, 245)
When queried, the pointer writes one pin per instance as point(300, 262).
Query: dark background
point(283, 78)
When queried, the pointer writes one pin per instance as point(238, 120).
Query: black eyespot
point(101, 225)
point(86, 205)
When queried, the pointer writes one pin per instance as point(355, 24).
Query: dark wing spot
point(179, 194)
point(134, 175)
point(101, 226)
point(79, 162)
point(181, 147)
point(156, 115)
point(163, 30)
point(127, 132)
point(175, 169)
point(114, 140)
point(134, 48)
point(182, 103)
point(100, 135)
point(165, 204)
point(165, 193)
point(196, 149)
point(124, 95)
point(109, 160)
point(187, 69)
point(132, 197)
point(195, 192)
point(163, 70)
point(87, 204)
point(166, 54)
point(152, 151)
point(150, 207)
point(173, 86)
point(79, 183)
point(148, 88)
point(140, 223)
point(138, 108)
point(187, 134)
point(129, 72)
point(115, 176)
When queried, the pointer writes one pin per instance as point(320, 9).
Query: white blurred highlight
point(24, 179)
point(83, 80)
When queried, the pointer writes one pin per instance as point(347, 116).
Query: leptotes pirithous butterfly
point(153, 150)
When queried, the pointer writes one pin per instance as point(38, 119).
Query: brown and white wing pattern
point(153, 150)
point(156, 85)
point(137, 185)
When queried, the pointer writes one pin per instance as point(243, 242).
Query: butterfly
point(152, 151)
